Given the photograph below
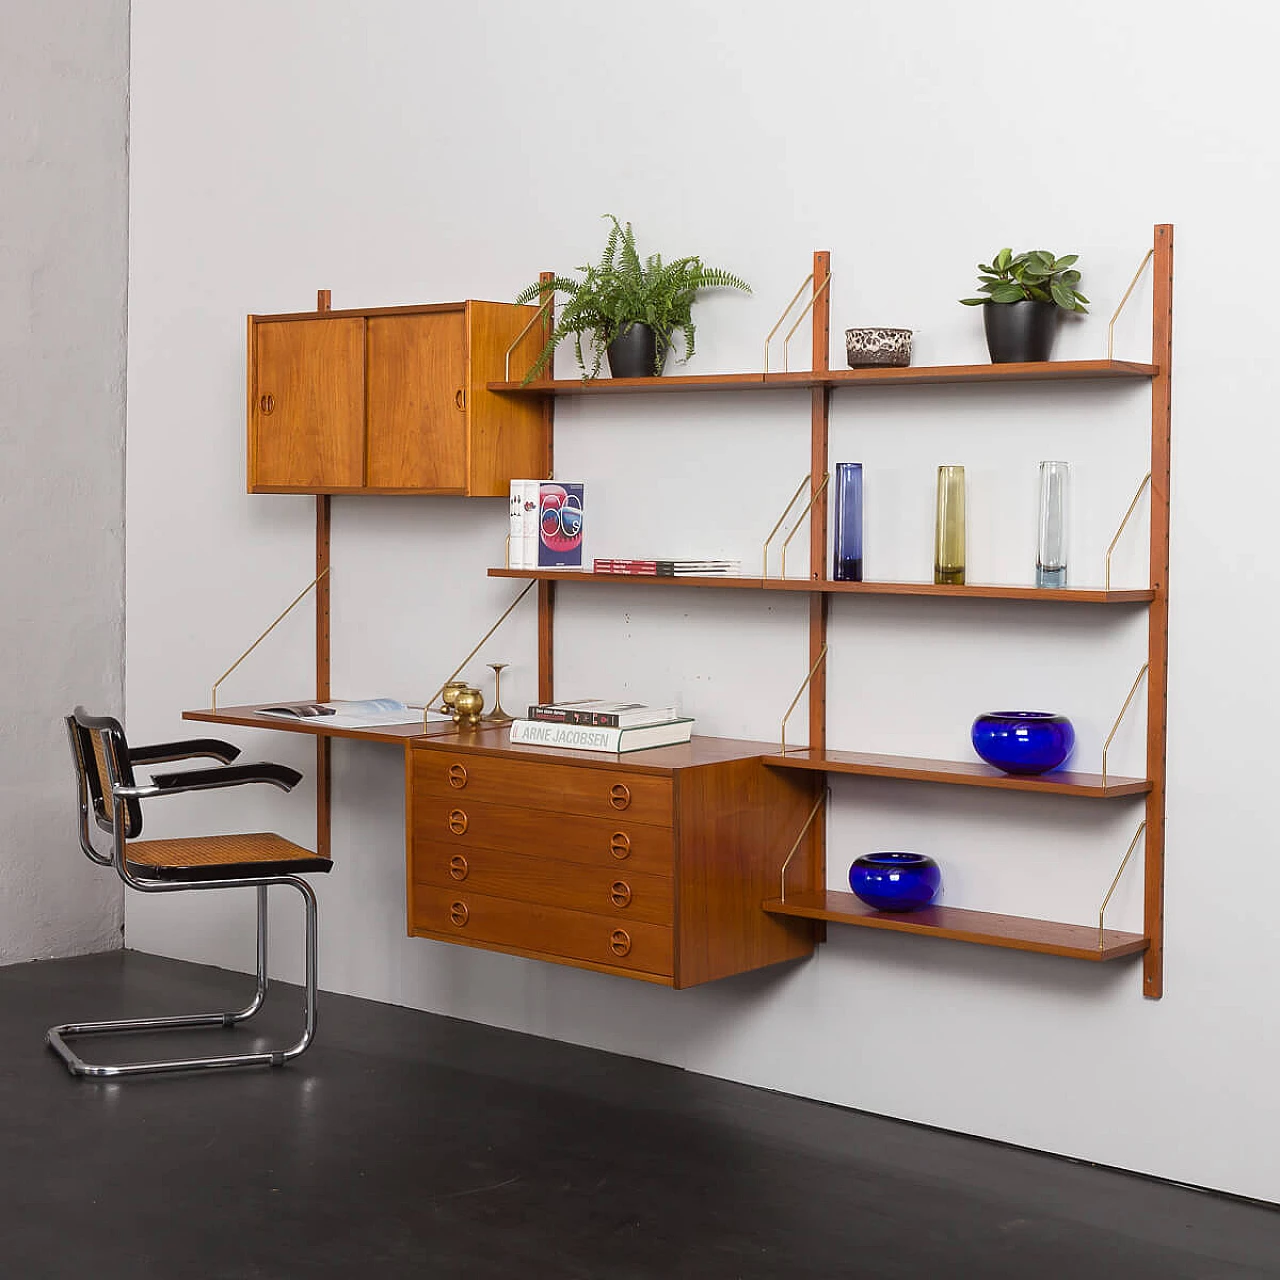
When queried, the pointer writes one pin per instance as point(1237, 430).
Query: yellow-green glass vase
point(948, 542)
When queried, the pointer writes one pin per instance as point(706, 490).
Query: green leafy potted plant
point(627, 308)
point(1026, 295)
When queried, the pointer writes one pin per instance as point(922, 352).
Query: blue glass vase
point(847, 554)
point(1026, 742)
point(895, 881)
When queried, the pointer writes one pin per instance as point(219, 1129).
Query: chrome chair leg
point(56, 1037)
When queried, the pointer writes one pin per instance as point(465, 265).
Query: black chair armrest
point(232, 775)
point(192, 749)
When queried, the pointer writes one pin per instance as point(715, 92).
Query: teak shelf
point(975, 591)
point(963, 773)
point(1018, 933)
point(917, 375)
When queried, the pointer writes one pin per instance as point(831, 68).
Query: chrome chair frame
point(125, 814)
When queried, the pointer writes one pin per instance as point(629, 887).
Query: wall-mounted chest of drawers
point(652, 865)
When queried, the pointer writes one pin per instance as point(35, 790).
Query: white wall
point(63, 264)
point(401, 152)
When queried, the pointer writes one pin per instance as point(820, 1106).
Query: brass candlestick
point(497, 715)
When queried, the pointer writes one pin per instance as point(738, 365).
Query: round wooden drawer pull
point(459, 914)
point(620, 845)
point(620, 942)
point(620, 893)
point(458, 867)
point(620, 795)
point(267, 404)
point(458, 822)
point(457, 776)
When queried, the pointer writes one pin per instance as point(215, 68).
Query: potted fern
point(1026, 295)
point(627, 308)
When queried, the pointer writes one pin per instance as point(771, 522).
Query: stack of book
point(595, 725)
point(671, 568)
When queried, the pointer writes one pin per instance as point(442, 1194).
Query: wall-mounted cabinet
point(392, 400)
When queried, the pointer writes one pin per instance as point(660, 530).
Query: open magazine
point(362, 713)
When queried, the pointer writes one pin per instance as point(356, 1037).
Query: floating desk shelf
point(1061, 595)
point(1044, 371)
point(963, 773)
point(1018, 933)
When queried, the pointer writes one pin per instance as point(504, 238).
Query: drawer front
point(612, 843)
point(534, 784)
point(626, 895)
point(463, 916)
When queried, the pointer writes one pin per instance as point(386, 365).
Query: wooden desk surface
point(251, 717)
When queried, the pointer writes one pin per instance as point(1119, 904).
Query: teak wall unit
point(518, 849)
point(391, 400)
point(820, 904)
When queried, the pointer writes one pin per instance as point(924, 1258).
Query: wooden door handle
point(620, 795)
point(620, 893)
point(460, 398)
point(457, 776)
point(459, 914)
point(620, 942)
point(458, 868)
point(267, 404)
point(458, 822)
point(620, 845)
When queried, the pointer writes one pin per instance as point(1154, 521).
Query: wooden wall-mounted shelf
point(1018, 933)
point(974, 591)
point(915, 375)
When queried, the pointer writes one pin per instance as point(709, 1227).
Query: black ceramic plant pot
point(1020, 332)
point(634, 353)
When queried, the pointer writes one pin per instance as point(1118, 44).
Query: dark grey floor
point(409, 1145)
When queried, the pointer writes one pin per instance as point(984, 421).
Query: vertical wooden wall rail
point(547, 590)
point(1158, 614)
point(323, 689)
point(819, 424)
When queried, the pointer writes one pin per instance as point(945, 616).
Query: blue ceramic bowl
point(895, 881)
point(1026, 742)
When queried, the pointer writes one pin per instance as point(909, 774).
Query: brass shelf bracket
point(1142, 671)
point(817, 293)
point(1137, 275)
point(808, 822)
point(800, 519)
point(520, 337)
point(1102, 910)
point(773, 533)
point(813, 671)
point(213, 696)
point(1146, 480)
point(528, 586)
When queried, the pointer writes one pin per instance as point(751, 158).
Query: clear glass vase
point(847, 544)
point(948, 542)
point(1051, 538)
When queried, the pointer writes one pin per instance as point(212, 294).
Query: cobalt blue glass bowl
point(895, 881)
point(1025, 742)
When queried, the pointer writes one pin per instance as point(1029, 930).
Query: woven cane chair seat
point(221, 857)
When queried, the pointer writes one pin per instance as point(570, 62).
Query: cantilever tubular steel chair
point(105, 781)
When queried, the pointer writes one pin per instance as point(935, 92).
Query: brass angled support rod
point(1146, 480)
point(213, 697)
point(813, 670)
point(1142, 671)
point(1111, 328)
point(773, 533)
point(1102, 910)
point(808, 822)
point(817, 493)
point(817, 293)
point(427, 705)
point(542, 310)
